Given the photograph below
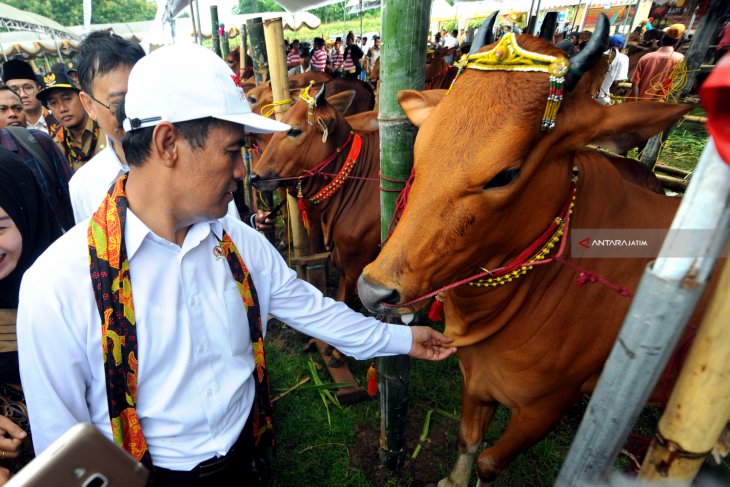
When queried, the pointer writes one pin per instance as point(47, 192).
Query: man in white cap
point(159, 343)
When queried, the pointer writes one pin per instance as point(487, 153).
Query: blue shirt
point(54, 188)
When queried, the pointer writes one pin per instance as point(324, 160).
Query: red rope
point(316, 169)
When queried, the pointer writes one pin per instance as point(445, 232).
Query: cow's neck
point(362, 185)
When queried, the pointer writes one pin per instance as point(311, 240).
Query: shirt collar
point(665, 49)
point(136, 231)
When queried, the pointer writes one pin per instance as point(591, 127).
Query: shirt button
point(209, 392)
point(201, 348)
point(193, 301)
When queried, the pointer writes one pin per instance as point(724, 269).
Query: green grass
point(309, 452)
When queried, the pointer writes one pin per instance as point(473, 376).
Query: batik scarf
point(113, 292)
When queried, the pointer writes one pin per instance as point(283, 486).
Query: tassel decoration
point(372, 379)
point(436, 312)
point(303, 209)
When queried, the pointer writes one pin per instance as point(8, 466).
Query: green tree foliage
point(256, 6)
point(70, 12)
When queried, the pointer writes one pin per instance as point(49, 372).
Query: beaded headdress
point(507, 55)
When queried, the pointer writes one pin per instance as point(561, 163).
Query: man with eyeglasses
point(79, 137)
point(19, 77)
point(104, 63)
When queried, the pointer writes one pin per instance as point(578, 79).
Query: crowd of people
point(355, 59)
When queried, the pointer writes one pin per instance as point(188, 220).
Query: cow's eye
point(503, 178)
point(252, 100)
point(293, 132)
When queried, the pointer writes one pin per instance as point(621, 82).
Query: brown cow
point(350, 219)
point(261, 95)
point(534, 342)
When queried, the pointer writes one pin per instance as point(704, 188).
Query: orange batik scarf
point(113, 292)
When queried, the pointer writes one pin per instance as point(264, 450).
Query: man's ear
point(166, 144)
point(88, 104)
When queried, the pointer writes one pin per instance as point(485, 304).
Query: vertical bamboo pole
point(225, 46)
point(402, 66)
point(192, 22)
point(699, 406)
point(274, 33)
point(214, 31)
point(242, 51)
point(255, 29)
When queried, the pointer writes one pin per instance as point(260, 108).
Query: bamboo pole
point(274, 34)
point(242, 52)
point(255, 29)
point(402, 67)
point(225, 46)
point(214, 31)
point(699, 406)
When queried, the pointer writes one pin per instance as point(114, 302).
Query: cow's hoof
point(311, 346)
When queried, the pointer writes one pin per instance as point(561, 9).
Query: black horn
point(485, 34)
point(321, 97)
point(582, 62)
point(549, 22)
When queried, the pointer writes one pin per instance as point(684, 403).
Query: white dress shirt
point(91, 182)
point(39, 125)
point(618, 70)
point(195, 389)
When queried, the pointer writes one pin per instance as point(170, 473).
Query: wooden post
point(255, 29)
point(711, 22)
point(274, 34)
point(699, 406)
point(402, 66)
point(214, 32)
point(650, 154)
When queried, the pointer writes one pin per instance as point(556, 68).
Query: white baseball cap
point(184, 82)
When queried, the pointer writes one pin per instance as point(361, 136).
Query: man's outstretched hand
point(429, 344)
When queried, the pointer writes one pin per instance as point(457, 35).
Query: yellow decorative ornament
point(507, 55)
point(49, 79)
point(309, 100)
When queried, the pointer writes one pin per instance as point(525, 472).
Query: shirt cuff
point(401, 340)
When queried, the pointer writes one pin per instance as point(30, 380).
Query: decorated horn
point(485, 34)
point(582, 62)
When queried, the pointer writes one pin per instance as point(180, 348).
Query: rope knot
point(586, 278)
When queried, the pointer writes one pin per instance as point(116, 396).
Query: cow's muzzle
point(376, 298)
point(262, 184)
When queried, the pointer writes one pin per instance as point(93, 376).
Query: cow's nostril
point(254, 178)
point(374, 297)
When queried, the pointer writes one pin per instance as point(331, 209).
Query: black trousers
point(241, 466)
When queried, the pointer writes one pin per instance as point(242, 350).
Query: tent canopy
point(12, 18)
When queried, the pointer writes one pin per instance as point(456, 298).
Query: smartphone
point(82, 457)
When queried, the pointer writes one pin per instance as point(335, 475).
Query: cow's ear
point(626, 125)
point(248, 87)
point(417, 105)
point(342, 101)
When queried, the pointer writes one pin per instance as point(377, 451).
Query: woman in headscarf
point(27, 228)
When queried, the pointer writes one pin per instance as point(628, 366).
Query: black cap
point(68, 67)
point(17, 69)
point(56, 80)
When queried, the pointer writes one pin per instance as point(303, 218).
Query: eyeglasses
point(27, 89)
point(112, 107)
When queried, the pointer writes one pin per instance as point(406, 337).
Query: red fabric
point(715, 98)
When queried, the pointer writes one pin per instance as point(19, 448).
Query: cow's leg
point(528, 425)
point(475, 416)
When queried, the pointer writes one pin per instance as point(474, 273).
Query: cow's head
point(261, 96)
point(488, 181)
point(305, 145)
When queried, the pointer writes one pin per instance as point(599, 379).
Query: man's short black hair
point(7, 88)
point(101, 52)
point(668, 41)
point(137, 144)
point(304, 52)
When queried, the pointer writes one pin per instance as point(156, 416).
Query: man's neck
point(77, 132)
point(117, 148)
point(150, 203)
point(32, 116)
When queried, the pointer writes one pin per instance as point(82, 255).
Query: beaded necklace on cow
point(339, 180)
point(507, 55)
point(534, 255)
